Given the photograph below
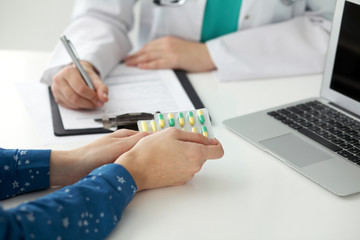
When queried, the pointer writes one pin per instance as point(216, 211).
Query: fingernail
point(105, 95)
point(212, 141)
point(99, 104)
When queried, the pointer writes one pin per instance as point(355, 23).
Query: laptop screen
point(346, 71)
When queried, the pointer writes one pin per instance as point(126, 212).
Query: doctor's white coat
point(273, 39)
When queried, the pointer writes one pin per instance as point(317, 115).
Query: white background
point(35, 25)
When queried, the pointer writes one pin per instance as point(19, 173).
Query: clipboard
point(59, 129)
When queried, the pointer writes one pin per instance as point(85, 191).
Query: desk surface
point(248, 194)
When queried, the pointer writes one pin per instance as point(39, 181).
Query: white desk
point(248, 194)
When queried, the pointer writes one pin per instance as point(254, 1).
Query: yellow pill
point(144, 126)
point(181, 119)
point(193, 129)
point(204, 131)
point(153, 126)
point(161, 121)
point(171, 119)
point(191, 118)
point(201, 116)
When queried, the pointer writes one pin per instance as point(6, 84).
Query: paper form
point(132, 90)
point(35, 96)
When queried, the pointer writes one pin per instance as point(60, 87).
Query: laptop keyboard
point(325, 125)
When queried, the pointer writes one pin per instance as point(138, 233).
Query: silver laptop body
point(340, 90)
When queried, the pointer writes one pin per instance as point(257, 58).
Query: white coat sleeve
point(297, 46)
point(99, 31)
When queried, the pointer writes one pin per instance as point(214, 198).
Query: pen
point(75, 58)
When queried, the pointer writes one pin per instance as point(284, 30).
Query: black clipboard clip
point(123, 120)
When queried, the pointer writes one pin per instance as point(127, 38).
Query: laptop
point(319, 137)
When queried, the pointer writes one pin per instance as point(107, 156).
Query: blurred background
point(35, 25)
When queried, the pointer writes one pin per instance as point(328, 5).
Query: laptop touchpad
point(295, 150)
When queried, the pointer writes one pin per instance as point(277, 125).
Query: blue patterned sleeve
point(23, 171)
point(89, 209)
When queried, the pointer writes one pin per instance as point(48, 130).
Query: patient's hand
point(169, 157)
point(68, 167)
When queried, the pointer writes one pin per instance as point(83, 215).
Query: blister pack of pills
point(193, 121)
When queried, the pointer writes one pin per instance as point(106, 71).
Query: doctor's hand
point(172, 53)
point(168, 158)
point(71, 91)
point(68, 167)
